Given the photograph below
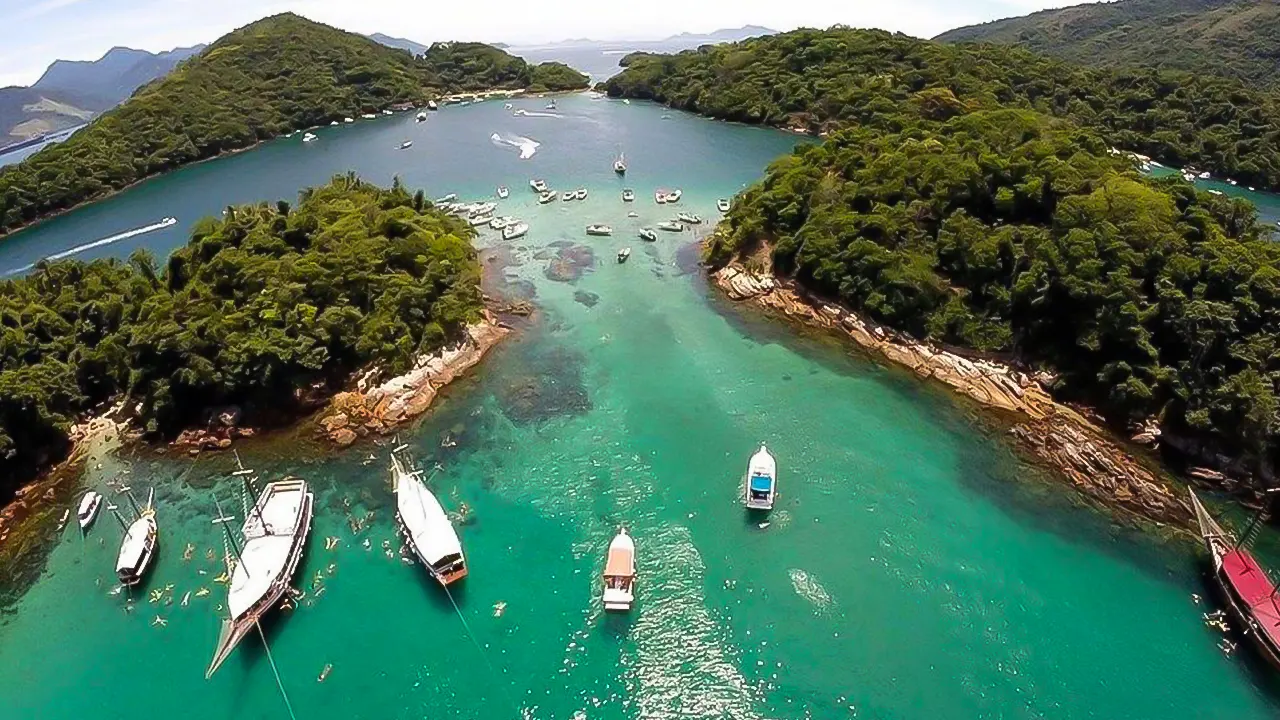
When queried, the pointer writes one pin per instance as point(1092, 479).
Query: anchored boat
point(88, 509)
point(688, 218)
point(539, 186)
point(628, 195)
point(274, 534)
point(623, 254)
point(599, 230)
point(1249, 593)
point(722, 205)
point(761, 480)
point(620, 573)
point(426, 526)
point(503, 192)
point(513, 231)
point(648, 235)
point(138, 548)
point(620, 165)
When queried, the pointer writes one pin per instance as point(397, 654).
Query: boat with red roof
point(1250, 595)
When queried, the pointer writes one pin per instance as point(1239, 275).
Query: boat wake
point(526, 146)
point(536, 113)
point(167, 222)
point(808, 587)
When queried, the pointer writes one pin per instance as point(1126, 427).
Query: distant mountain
point(599, 58)
point(72, 92)
point(414, 48)
point(1233, 38)
point(722, 35)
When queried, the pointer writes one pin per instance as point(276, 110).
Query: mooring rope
point(480, 649)
point(288, 705)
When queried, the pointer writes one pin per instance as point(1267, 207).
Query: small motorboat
point(506, 106)
point(511, 232)
point(674, 196)
point(431, 105)
point(620, 165)
point(406, 144)
point(503, 192)
point(546, 197)
point(623, 254)
point(348, 120)
point(387, 112)
point(599, 230)
point(499, 223)
point(761, 482)
point(335, 122)
point(633, 214)
point(309, 137)
point(671, 226)
point(539, 186)
point(628, 195)
point(88, 509)
point(170, 221)
point(446, 199)
point(580, 193)
point(484, 208)
point(620, 573)
point(660, 197)
point(520, 112)
point(551, 105)
point(688, 218)
point(478, 220)
point(369, 116)
point(568, 195)
point(722, 205)
point(648, 235)
point(1204, 175)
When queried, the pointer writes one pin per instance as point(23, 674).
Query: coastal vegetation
point(556, 77)
point(266, 79)
point(819, 80)
point(1232, 38)
point(265, 309)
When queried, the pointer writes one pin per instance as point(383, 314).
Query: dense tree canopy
point(556, 77)
point(260, 306)
point(476, 66)
point(820, 80)
point(1010, 231)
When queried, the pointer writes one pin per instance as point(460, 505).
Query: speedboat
point(628, 195)
point(671, 226)
point(623, 254)
point(511, 232)
point(484, 208)
point(348, 120)
point(170, 221)
point(503, 192)
point(274, 536)
point(620, 573)
point(431, 105)
point(648, 235)
point(551, 105)
point(620, 165)
point(309, 137)
point(546, 197)
point(633, 214)
point(599, 230)
point(422, 116)
point(426, 526)
point(674, 196)
point(539, 186)
point(446, 199)
point(520, 112)
point(478, 220)
point(138, 548)
point(387, 112)
point(689, 218)
point(722, 205)
point(568, 195)
point(660, 197)
point(498, 223)
point(88, 509)
point(406, 144)
point(1204, 175)
point(506, 106)
point(761, 482)
point(581, 194)
point(369, 116)
point(335, 122)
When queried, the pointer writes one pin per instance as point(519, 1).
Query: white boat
point(539, 186)
point(1215, 192)
point(426, 526)
point(503, 192)
point(406, 144)
point(568, 195)
point(633, 214)
point(88, 509)
point(623, 254)
point(674, 196)
point(620, 165)
point(660, 197)
point(761, 481)
point(309, 137)
point(431, 105)
point(580, 194)
point(520, 112)
point(422, 116)
point(620, 573)
point(169, 221)
point(335, 122)
point(478, 220)
point(348, 120)
point(1204, 175)
point(506, 106)
point(499, 223)
point(551, 105)
point(511, 232)
point(671, 226)
point(688, 218)
point(138, 548)
point(599, 230)
point(648, 235)
point(485, 208)
point(387, 112)
point(546, 197)
point(274, 536)
point(722, 205)
point(628, 195)
point(1232, 182)
point(369, 116)
point(446, 199)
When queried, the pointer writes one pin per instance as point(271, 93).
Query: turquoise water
point(913, 568)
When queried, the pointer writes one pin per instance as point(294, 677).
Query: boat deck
point(1251, 584)
point(270, 535)
point(428, 527)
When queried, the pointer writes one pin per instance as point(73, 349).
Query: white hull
point(760, 484)
point(89, 506)
point(620, 573)
point(426, 526)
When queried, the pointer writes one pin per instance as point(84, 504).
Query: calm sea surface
point(912, 569)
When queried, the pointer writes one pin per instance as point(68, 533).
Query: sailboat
point(620, 165)
point(426, 526)
point(276, 526)
point(620, 572)
point(761, 482)
point(138, 548)
point(1250, 595)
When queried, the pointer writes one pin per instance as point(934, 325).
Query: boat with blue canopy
point(761, 483)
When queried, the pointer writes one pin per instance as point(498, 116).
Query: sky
point(34, 33)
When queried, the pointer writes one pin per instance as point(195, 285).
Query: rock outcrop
point(1054, 433)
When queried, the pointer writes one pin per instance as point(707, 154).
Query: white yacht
point(568, 195)
point(446, 199)
point(88, 510)
point(648, 235)
point(503, 192)
point(478, 220)
point(581, 194)
point(674, 196)
point(511, 232)
point(547, 196)
point(335, 122)
point(671, 226)
point(688, 218)
point(722, 205)
point(426, 526)
point(660, 197)
point(599, 230)
point(620, 573)
point(369, 116)
point(406, 144)
point(761, 481)
point(138, 548)
point(623, 254)
point(274, 536)
point(387, 112)
point(309, 137)
point(499, 223)
point(348, 120)
point(484, 208)
point(539, 186)
point(620, 165)
point(628, 195)
point(431, 105)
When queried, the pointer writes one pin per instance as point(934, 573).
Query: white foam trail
point(527, 146)
point(535, 113)
point(167, 222)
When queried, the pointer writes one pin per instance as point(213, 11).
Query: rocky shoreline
point(1053, 433)
point(380, 408)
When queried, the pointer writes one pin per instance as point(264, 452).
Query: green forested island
point(972, 195)
point(279, 74)
point(818, 80)
point(1232, 38)
point(262, 307)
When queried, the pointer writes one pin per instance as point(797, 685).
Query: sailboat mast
point(128, 491)
point(223, 520)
